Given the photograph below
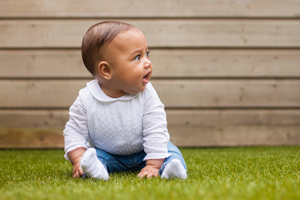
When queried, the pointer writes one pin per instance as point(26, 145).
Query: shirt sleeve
point(155, 132)
point(76, 129)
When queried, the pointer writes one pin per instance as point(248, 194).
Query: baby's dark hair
point(96, 37)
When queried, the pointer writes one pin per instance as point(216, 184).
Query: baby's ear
point(104, 70)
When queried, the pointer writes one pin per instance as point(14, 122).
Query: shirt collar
point(95, 89)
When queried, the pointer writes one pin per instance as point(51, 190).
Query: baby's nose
point(147, 63)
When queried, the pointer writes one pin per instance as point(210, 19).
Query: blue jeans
point(134, 162)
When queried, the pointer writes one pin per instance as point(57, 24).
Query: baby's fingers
point(80, 171)
point(147, 174)
point(75, 174)
point(142, 175)
point(152, 174)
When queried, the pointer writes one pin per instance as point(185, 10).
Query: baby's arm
point(155, 134)
point(75, 157)
point(152, 168)
point(76, 135)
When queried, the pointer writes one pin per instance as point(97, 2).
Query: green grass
point(213, 173)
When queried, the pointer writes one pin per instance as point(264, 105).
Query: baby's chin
point(137, 91)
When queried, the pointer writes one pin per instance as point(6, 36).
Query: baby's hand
point(148, 171)
point(152, 168)
point(77, 171)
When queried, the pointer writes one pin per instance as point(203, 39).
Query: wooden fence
point(227, 71)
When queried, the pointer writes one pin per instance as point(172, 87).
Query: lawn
point(213, 173)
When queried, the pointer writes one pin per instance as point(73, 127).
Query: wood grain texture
point(173, 93)
point(154, 8)
point(235, 136)
point(229, 93)
point(42, 64)
point(46, 119)
point(188, 128)
point(31, 138)
point(167, 63)
point(159, 33)
point(43, 119)
point(181, 136)
point(227, 71)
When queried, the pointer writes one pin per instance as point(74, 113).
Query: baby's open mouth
point(146, 77)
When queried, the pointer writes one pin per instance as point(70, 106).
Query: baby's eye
point(137, 57)
point(147, 54)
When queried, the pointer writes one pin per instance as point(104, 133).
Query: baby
point(118, 123)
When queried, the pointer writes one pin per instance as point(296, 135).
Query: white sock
point(92, 167)
point(174, 170)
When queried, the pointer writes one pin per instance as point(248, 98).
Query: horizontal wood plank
point(167, 63)
point(229, 93)
point(159, 33)
point(188, 128)
point(47, 119)
point(154, 8)
point(173, 93)
point(231, 118)
point(31, 138)
point(42, 64)
point(181, 136)
point(235, 136)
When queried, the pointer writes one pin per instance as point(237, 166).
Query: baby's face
point(130, 64)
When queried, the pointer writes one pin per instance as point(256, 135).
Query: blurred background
point(228, 71)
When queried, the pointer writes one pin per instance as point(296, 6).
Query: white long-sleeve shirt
point(120, 126)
